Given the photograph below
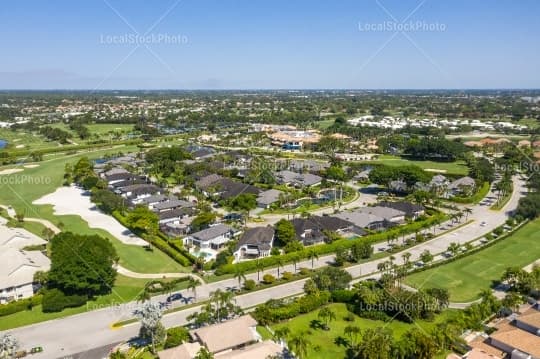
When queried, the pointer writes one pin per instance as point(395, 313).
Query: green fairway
point(323, 342)
point(20, 189)
point(23, 140)
point(457, 167)
point(125, 290)
point(466, 277)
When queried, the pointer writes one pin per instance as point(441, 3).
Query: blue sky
point(222, 44)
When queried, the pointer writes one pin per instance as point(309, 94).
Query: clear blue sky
point(269, 44)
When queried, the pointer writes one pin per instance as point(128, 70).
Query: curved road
point(86, 331)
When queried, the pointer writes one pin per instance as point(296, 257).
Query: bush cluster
point(20, 305)
point(55, 300)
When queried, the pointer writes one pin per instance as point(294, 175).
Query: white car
point(483, 224)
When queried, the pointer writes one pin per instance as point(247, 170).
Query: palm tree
point(295, 258)
point(144, 295)
point(299, 344)
point(453, 248)
point(239, 274)
point(312, 255)
point(192, 285)
point(279, 262)
point(281, 334)
point(352, 332)
point(327, 315)
point(406, 258)
point(260, 268)
point(467, 211)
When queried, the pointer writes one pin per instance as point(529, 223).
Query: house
point(175, 215)
point(217, 186)
point(387, 213)
point(19, 266)
point(113, 171)
point(233, 339)
point(150, 201)
point(233, 334)
point(267, 198)
point(119, 177)
point(254, 243)
point(213, 237)
point(398, 186)
point(137, 192)
point(311, 230)
point(411, 210)
point(171, 204)
point(439, 185)
point(297, 179)
point(127, 182)
point(516, 342)
point(462, 186)
point(363, 220)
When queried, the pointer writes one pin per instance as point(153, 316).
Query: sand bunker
point(31, 166)
point(10, 171)
point(74, 201)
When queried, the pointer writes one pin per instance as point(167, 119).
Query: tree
point(203, 353)
point(143, 219)
point(244, 202)
point(151, 328)
point(299, 344)
point(361, 250)
point(89, 272)
point(312, 255)
point(332, 278)
point(239, 274)
point(107, 201)
point(202, 221)
point(352, 332)
point(327, 316)
point(176, 336)
point(467, 212)
point(47, 233)
point(375, 344)
point(426, 256)
point(285, 232)
point(260, 269)
point(19, 216)
point(193, 283)
point(281, 333)
point(454, 248)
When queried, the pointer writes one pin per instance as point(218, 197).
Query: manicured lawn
point(466, 277)
point(24, 140)
point(323, 343)
point(458, 167)
point(103, 128)
point(125, 290)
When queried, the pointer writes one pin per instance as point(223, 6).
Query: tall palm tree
point(299, 344)
point(295, 258)
point(467, 212)
point(193, 283)
point(240, 275)
point(260, 268)
point(312, 255)
point(279, 262)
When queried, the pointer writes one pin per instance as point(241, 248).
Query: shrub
point(270, 313)
point(269, 279)
point(55, 300)
point(176, 336)
point(20, 305)
point(249, 284)
point(304, 271)
point(287, 276)
point(343, 296)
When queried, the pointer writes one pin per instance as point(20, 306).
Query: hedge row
point(325, 249)
point(54, 300)
point(267, 314)
point(177, 253)
point(20, 305)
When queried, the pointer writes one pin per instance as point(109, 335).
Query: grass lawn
point(323, 343)
point(457, 167)
point(103, 128)
point(466, 277)
point(24, 139)
point(125, 290)
point(20, 189)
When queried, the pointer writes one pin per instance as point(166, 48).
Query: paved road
point(84, 332)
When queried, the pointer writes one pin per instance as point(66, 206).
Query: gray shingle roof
point(211, 232)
